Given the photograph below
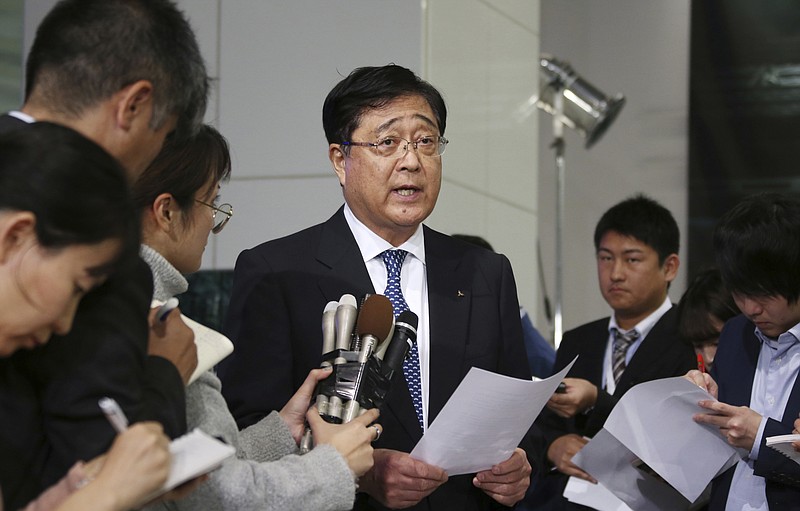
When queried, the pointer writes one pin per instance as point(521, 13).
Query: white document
point(484, 421)
point(212, 346)
point(595, 496)
point(612, 465)
point(653, 422)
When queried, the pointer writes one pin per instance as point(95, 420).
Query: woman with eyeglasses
point(67, 222)
point(178, 197)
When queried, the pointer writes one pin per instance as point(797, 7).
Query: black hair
point(368, 88)
point(757, 247)
point(644, 219)
point(76, 190)
point(704, 299)
point(184, 167)
point(85, 51)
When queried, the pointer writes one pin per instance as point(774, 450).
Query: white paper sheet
point(595, 496)
point(484, 421)
point(610, 463)
point(653, 422)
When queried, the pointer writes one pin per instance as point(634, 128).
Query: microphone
point(355, 341)
point(405, 335)
point(328, 343)
point(374, 323)
point(329, 329)
point(344, 320)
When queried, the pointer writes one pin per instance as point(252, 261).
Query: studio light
point(577, 104)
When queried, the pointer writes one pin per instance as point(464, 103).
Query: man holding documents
point(757, 248)
point(636, 244)
point(385, 129)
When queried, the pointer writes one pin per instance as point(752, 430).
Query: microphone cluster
point(366, 347)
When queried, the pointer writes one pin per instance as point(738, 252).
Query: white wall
point(274, 62)
point(639, 48)
point(482, 55)
point(277, 62)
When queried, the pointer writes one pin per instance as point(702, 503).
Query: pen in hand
point(165, 309)
point(114, 414)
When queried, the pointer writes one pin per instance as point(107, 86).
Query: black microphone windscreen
point(405, 334)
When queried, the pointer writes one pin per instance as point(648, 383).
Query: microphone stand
point(559, 147)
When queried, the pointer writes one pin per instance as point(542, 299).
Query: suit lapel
point(340, 254)
point(449, 303)
point(592, 349)
point(648, 354)
point(740, 394)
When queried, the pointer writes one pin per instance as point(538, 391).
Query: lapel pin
point(459, 293)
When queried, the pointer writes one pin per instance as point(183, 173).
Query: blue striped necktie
point(393, 259)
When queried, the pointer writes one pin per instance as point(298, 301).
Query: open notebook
point(194, 454)
point(783, 444)
point(212, 346)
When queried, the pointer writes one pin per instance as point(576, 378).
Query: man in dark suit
point(636, 243)
point(385, 128)
point(124, 74)
point(757, 248)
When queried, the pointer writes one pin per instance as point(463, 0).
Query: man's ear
point(338, 159)
point(135, 103)
point(17, 231)
point(670, 267)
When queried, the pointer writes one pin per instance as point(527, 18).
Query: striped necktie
point(393, 259)
point(622, 341)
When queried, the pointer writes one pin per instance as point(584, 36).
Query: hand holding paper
point(398, 481)
point(466, 438)
point(508, 481)
point(653, 423)
point(561, 452)
point(739, 424)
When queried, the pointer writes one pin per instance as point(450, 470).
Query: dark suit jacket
point(734, 370)
point(661, 355)
point(48, 396)
point(281, 288)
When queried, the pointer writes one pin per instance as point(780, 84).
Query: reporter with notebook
point(125, 74)
point(755, 372)
point(67, 223)
point(178, 197)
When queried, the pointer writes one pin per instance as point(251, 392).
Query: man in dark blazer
point(757, 247)
point(126, 101)
point(385, 127)
point(636, 243)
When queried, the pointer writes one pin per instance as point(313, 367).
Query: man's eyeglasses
point(226, 211)
point(396, 147)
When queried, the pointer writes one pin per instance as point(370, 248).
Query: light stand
point(575, 103)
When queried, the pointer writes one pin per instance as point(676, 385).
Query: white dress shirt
point(413, 284)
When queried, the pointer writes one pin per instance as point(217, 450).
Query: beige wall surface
point(639, 48)
point(274, 61)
